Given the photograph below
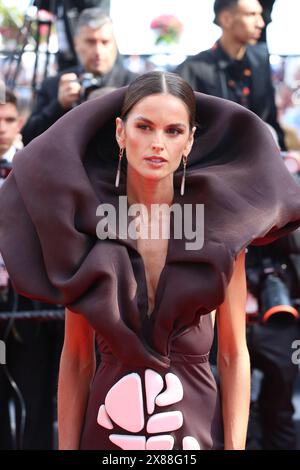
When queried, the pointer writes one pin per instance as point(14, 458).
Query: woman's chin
point(154, 175)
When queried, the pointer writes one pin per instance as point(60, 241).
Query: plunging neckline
point(113, 197)
point(155, 296)
point(149, 314)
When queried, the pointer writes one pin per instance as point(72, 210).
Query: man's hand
point(68, 90)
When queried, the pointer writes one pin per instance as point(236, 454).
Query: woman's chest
point(153, 253)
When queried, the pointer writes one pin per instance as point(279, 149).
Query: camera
point(273, 271)
point(89, 82)
point(267, 282)
point(276, 303)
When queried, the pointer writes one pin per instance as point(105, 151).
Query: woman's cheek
point(176, 150)
point(135, 142)
point(136, 150)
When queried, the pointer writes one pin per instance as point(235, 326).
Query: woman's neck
point(144, 191)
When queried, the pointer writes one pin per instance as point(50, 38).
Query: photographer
point(96, 48)
point(273, 278)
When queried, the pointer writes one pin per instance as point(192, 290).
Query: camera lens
point(275, 301)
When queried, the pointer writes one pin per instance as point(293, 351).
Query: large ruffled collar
point(48, 221)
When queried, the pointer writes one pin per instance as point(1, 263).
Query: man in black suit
point(98, 55)
point(236, 67)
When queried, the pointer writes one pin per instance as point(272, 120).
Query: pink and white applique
point(124, 406)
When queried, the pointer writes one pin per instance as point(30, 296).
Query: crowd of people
point(237, 69)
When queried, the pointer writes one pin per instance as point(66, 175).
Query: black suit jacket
point(204, 74)
point(47, 110)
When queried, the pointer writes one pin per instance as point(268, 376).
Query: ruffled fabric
point(48, 223)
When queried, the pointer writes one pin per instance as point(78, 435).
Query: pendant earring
point(119, 168)
point(184, 160)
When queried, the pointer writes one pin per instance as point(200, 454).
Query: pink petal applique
point(165, 422)
point(153, 384)
point(103, 418)
point(165, 442)
point(190, 443)
point(128, 442)
point(124, 403)
point(173, 392)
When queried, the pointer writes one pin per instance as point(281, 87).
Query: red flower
point(168, 28)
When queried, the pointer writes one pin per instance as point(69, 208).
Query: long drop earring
point(184, 160)
point(119, 168)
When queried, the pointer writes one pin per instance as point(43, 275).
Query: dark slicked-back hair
point(156, 82)
point(221, 5)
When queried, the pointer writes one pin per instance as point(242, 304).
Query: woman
point(148, 301)
point(157, 123)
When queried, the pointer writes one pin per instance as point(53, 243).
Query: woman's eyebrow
point(177, 124)
point(148, 121)
point(142, 118)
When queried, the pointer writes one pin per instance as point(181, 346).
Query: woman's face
point(156, 135)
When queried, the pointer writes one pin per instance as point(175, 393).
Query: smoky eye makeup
point(143, 126)
point(175, 130)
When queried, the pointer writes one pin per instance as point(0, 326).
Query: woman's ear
point(120, 132)
point(190, 142)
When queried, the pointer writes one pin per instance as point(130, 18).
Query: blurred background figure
point(28, 380)
point(273, 280)
point(99, 66)
point(10, 126)
point(236, 67)
point(67, 12)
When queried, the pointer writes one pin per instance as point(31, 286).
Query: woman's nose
point(157, 146)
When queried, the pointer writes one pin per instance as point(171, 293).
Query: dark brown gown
point(49, 244)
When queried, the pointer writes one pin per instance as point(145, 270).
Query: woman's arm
point(77, 368)
point(233, 359)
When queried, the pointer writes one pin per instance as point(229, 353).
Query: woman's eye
point(143, 127)
point(174, 131)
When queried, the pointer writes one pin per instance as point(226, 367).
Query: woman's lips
point(155, 161)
